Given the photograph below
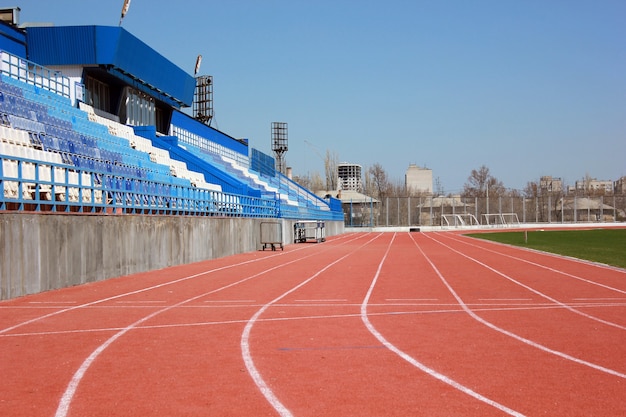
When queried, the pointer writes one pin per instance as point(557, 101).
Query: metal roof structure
point(117, 52)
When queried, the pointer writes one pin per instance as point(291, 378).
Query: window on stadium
point(98, 95)
point(136, 108)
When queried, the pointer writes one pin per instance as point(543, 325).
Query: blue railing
point(28, 72)
point(30, 184)
point(53, 158)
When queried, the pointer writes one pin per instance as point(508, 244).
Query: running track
point(367, 324)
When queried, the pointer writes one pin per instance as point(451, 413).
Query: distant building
point(349, 176)
point(549, 184)
point(619, 187)
point(417, 179)
point(594, 186)
point(358, 209)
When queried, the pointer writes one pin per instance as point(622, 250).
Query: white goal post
point(501, 219)
point(510, 219)
point(459, 220)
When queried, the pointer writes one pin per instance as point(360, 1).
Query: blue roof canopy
point(119, 52)
point(12, 40)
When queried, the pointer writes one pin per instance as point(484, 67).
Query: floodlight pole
point(279, 144)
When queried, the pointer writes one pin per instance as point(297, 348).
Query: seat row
point(41, 172)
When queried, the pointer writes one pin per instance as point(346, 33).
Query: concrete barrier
point(41, 252)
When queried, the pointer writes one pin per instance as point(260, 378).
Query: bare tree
point(379, 182)
point(531, 190)
point(481, 183)
point(439, 190)
point(303, 180)
point(312, 181)
point(330, 166)
point(316, 182)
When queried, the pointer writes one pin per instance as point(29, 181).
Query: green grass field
point(607, 246)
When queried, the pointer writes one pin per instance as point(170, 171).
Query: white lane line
point(68, 395)
point(141, 290)
point(529, 288)
point(70, 391)
point(505, 299)
point(52, 302)
point(316, 317)
point(229, 301)
point(140, 302)
point(330, 300)
point(441, 377)
point(411, 299)
point(552, 255)
point(506, 332)
point(245, 341)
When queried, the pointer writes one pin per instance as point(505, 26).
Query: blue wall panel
point(72, 45)
point(12, 40)
point(113, 47)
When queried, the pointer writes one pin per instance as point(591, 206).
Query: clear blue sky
point(527, 88)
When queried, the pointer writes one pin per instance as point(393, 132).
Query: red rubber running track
point(366, 324)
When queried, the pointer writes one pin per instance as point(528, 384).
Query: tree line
point(480, 183)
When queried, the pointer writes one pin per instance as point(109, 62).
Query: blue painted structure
point(12, 40)
point(118, 52)
point(61, 155)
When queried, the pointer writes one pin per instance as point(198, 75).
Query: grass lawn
point(607, 246)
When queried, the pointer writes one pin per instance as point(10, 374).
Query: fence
point(458, 211)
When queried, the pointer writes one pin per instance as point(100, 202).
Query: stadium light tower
point(279, 144)
point(203, 96)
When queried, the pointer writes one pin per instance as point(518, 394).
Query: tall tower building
point(349, 176)
point(418, 179)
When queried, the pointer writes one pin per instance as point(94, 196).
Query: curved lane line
point(552, 255)
point(245, 338)
point(476, 317)
point(539, 293)
point(70, 391)
point(441, 377)
point(324, 317)
point(102, 300)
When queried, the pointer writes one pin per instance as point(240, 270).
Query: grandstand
point(92, 120)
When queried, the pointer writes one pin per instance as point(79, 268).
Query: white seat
point(9, 169)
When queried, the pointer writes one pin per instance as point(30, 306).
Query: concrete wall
point(40, 252)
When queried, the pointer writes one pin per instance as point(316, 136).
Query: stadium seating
point(54, 152)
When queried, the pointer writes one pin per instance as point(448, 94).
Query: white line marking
point(68, 395)
point(411, 360)
point(552, 255)
point(529, 288)
point(525, 307)
point(330, 300)
point(505, 299)
point(245, 341)
point(52, 302)
point(175, 281)
point(506, 332)
point(230, 301)
point(411, 299)
point(139, 302)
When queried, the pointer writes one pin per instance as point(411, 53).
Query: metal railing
point(30, 73)
point(43, 186)
point(440, 211)
point(33, 185)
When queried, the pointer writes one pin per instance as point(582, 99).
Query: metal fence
point(460, 211)
point(28, 184)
